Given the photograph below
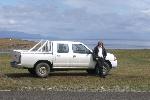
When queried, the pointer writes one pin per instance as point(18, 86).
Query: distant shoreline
point(109, 44)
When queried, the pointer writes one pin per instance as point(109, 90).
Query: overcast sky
point(77, 18)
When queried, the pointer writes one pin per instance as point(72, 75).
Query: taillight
point(17, 57)
point(19, 61)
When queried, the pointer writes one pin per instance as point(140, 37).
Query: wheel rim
point(104, 70)
point(42, 70)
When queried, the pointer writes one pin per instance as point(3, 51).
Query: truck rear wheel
point(42, 70)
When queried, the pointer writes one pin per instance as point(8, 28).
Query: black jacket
point(96, 50)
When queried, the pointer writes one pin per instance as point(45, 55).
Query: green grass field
point(7, 44)
point(132, 74)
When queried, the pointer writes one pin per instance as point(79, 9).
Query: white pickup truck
point(47, 56)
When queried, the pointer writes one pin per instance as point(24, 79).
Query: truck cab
point(73, 55)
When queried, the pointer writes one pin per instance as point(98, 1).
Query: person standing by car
point(99, 55)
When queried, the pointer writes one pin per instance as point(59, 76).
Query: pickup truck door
point(62, 55)
point(82, 57)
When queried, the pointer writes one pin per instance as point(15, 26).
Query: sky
point(126, 19)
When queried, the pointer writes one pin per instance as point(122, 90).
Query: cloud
point(74, 17)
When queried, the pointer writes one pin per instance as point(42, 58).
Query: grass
point(132, 74)
point(8, 44)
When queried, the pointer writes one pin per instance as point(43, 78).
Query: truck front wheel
point(42, 70)
point(102, 71)
point(106, 69)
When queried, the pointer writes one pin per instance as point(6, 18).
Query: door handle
point(74, 56)
point(58, 55)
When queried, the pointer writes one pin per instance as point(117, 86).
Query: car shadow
point(23, 75)
point(19, 75)
point(71, 74)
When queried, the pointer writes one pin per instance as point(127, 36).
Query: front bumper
point(14, 64)
point(114, 64)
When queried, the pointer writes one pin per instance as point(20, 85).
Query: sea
point(111, 43)
point(108, 43)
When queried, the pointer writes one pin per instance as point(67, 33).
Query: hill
point(19, 35)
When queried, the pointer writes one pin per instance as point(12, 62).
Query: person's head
point(100, 44)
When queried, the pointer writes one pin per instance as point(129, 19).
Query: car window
point(79, 48)
point(62, 48)
point(47, 47)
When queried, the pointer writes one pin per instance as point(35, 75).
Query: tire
point(102, 71)
point(32, 71)
point(105, 69)
point(42, 70)
point(90, 71)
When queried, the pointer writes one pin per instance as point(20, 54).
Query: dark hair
point(100, 43)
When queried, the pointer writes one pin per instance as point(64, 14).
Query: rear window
point(43, 47)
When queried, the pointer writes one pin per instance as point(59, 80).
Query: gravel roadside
point(64, 95)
